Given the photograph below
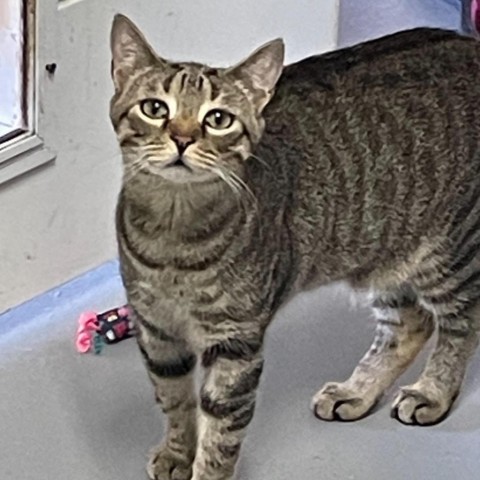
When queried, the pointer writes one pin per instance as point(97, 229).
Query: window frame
point(27, 150)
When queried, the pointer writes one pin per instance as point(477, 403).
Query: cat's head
point(186, 122)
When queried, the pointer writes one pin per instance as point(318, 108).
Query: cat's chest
point(172, 289)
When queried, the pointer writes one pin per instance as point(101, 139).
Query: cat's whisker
point(233, 178)
point(253, 156)
point(210, 159)
point(239, 186)
point(261, 161)
point(223, 175)
point(137, 150)
point(133, 168)
point(146, 159)
point(246, 188)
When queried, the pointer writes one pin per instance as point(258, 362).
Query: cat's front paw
point(421, 405)
point(164, 464)
point(337, 401)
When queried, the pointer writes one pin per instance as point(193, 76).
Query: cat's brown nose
point(182, 142)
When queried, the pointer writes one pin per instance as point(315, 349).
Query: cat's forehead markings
point(205, 87)
point(167, 83)
point(191, 87)
point(183, 80)
point(211, 76)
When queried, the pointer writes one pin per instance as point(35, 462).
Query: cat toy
point(99, 329)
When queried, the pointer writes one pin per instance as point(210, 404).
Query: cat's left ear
point(261, 71)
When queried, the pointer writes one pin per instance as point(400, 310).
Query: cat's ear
point(261, 71)
point(130, 50)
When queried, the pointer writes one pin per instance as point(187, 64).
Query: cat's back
point(380, 141)
point(410, 98)
point(413, 56)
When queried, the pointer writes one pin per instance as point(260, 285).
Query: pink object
point(83, 342)
point(87, 324)
point(88, 321)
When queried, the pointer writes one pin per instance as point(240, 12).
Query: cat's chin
point(183, 174)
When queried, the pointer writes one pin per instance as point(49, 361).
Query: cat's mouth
point(179, 162)
point(179, 170)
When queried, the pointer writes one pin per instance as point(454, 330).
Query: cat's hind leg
point(457, 312)
point(402, 330)
point(170, 366)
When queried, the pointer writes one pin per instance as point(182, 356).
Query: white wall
point(57, 222)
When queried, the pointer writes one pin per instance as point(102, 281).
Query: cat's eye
point(155, 109)
point(218, 119)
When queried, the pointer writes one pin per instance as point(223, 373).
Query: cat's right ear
point(130, 50)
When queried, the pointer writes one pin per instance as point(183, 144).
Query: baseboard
point(95, 290)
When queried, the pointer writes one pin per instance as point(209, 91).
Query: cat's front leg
point(170, 366)
point(227, 401)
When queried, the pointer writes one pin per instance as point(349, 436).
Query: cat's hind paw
point(336, 401)
point(423, 407)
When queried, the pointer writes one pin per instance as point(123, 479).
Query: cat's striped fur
point(364, 166)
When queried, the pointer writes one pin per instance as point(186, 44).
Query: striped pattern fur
point(243, 186)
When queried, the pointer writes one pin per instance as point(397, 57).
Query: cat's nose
point(182, 142)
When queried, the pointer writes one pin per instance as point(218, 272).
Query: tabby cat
point(245, 185)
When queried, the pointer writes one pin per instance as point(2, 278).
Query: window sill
point(22, 154)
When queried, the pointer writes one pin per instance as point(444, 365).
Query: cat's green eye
point(155, 109)
point(218, 119)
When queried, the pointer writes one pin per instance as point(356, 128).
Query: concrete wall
point(57, 222)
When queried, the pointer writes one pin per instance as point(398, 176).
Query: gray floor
point(73, 417)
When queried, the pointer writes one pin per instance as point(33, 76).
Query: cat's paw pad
point(416, 406)
point(336, 401)
point(164, 464)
